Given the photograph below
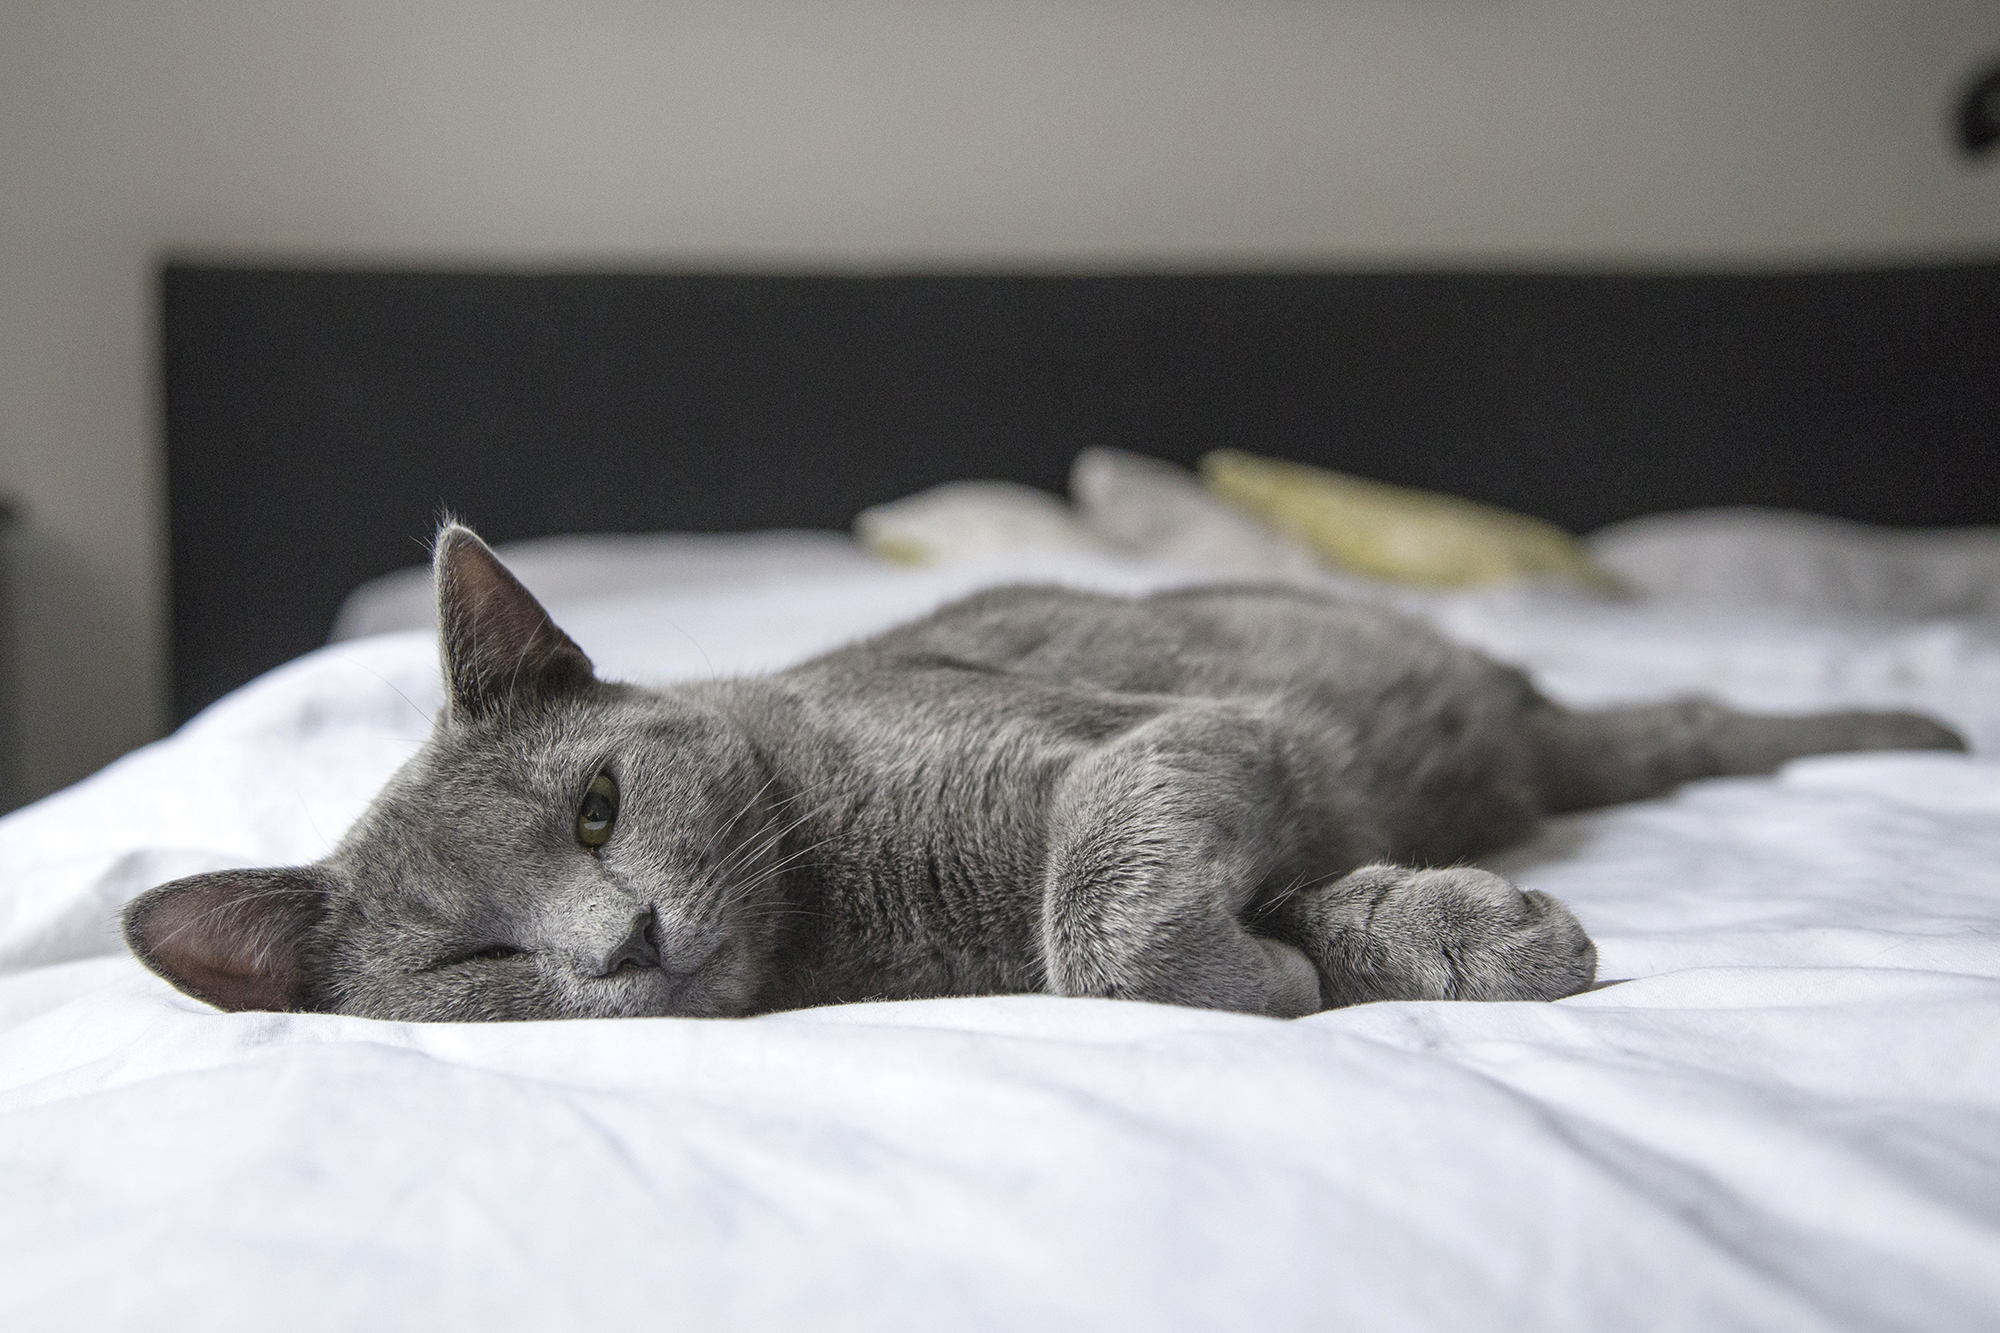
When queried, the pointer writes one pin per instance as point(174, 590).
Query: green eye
point(598, 812)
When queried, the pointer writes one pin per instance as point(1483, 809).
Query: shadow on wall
point(1978, 120)
point(10, 676)
point(54, 605)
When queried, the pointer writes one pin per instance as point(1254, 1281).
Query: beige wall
point(1077, 132)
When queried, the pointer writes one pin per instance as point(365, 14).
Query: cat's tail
point(1586, 758)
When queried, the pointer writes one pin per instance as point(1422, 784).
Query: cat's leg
point(1157, 843)
point(1601, 757)
point(1394, 933)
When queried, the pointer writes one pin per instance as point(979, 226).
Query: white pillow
point(1163, 512)
point(1775, 557)
point(969, 518)
point(573, 570)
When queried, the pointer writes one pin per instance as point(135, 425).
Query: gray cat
point(1220, 797)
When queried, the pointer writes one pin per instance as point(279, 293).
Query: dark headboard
point(318, 420)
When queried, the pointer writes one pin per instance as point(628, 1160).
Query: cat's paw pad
point(1464, 934)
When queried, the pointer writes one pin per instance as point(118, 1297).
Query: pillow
point(1159, 511)
point(1777, 557)
point(1391, 532)
point(571, 571)
point(962, 518)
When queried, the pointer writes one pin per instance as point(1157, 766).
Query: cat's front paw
point(1393, 933)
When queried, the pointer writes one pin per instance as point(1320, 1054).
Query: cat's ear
point(499, 646)
point(239, 939)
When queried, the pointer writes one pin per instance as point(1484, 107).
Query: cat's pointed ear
point(239, 939)
point(499, 646)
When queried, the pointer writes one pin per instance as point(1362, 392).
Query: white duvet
point(1787, 1115)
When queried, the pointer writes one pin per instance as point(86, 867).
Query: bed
point(1783, 1115)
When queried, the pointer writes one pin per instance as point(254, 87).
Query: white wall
point(1075, 132)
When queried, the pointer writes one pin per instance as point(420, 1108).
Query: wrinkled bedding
point(1785, 1114)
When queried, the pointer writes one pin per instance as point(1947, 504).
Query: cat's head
point(561, 847)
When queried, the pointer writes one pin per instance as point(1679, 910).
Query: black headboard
point(318, 420)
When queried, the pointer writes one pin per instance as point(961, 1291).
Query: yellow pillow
point(1392, 532)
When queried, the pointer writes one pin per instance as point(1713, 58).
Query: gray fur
point(1210, 797)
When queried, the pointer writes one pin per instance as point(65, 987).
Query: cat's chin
point(696, 1010)
point(656, 993)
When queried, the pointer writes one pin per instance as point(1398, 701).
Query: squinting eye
point(492, 953)
point(598, 812)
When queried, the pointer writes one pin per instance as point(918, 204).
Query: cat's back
point(925, 760)
point(1227, 641)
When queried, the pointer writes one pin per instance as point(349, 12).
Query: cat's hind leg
point(1395, 933)
point(1587, 758)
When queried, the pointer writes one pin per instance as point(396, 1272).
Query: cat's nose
point(638, 950)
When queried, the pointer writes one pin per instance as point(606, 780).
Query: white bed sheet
point(1787, 1117)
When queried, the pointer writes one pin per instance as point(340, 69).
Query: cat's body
point(945, 772)
point(1189, 797)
